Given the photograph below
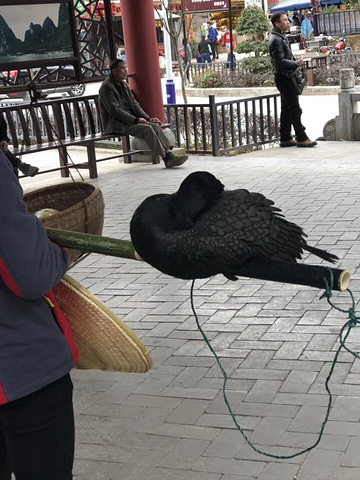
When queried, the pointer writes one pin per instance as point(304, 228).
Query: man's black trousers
point(290, 110)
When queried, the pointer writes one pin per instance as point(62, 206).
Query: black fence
point(213, 128)
point(337, 23)
point(220, 127)
point(224, 68)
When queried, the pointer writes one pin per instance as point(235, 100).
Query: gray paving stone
point(267, 410)
point(248, 453)
point(230, 466)
point(270, 430)
point(290, 351)
point(352, 458)
point(135, 472)
point(305, 440)
point(219, 406)
point(257, 374)
point(225, 421)
point(276, 471)
point(187, 431)
point(257, 359)
point(339, 374)
point(287, 365)
point(184, 454)
point(320, 465)
point(348, 473)
point(167, 404)
point(188, 412)
point(253, 332)
point(225, 445)
point(93, 470)
point(115, 453)
point(322, 342)
point(308, 420)
point(236, 477)
point(263, 391)
point(298, 382)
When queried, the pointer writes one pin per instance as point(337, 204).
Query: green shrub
point(233, 80)
point(210, 79)
point(249, 46)
point(330, 9)
point(256, 65)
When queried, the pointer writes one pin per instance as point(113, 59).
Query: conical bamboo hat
point(104, 340)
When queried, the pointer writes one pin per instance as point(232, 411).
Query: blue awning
point(291, 5)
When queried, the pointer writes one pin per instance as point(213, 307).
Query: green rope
point(344, 333)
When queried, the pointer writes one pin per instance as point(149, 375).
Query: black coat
point(3, 129)
point(282, 59)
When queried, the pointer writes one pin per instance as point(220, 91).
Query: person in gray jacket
point(37, 350)
point(122, 114)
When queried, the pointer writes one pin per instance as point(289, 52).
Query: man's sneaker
point(289, 143)
point(306, 143)
point(171, 160)
point(28, 170)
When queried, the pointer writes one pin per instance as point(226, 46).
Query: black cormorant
point(202, 230)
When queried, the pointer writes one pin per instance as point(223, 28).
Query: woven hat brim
point(104, 340)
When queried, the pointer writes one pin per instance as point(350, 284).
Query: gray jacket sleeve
point(30, 265)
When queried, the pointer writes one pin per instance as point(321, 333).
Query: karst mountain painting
point(35, 32)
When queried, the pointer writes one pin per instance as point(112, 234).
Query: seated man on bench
point(122, 114)
point(16, 163)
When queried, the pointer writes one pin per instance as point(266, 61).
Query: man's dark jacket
point(282, 59)
point(115, 101)
point(3, 129)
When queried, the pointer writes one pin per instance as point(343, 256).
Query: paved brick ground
point(276, 341)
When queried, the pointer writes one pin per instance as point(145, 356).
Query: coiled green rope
point(344, 333)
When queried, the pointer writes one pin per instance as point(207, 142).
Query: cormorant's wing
point(240, 226)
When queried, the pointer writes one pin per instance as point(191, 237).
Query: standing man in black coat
point(16, 163)
point(283, 64)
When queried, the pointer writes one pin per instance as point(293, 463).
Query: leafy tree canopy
point(253, 21)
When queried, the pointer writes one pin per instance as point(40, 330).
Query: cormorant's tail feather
point(329, 257)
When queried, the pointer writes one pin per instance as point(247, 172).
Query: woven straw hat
point(104, 340)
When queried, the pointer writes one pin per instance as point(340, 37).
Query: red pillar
point(142, 54)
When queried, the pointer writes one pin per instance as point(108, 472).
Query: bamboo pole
point(89, 243)
point(264, 269)
point(296, 273)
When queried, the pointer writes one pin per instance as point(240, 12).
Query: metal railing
point(220, 127)
point(196, 69)
point(337, 23)
point(214, 128)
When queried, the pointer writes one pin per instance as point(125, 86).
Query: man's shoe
point(28, 170)
point(306, 143)
point(171, 161)
point(289, 143)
